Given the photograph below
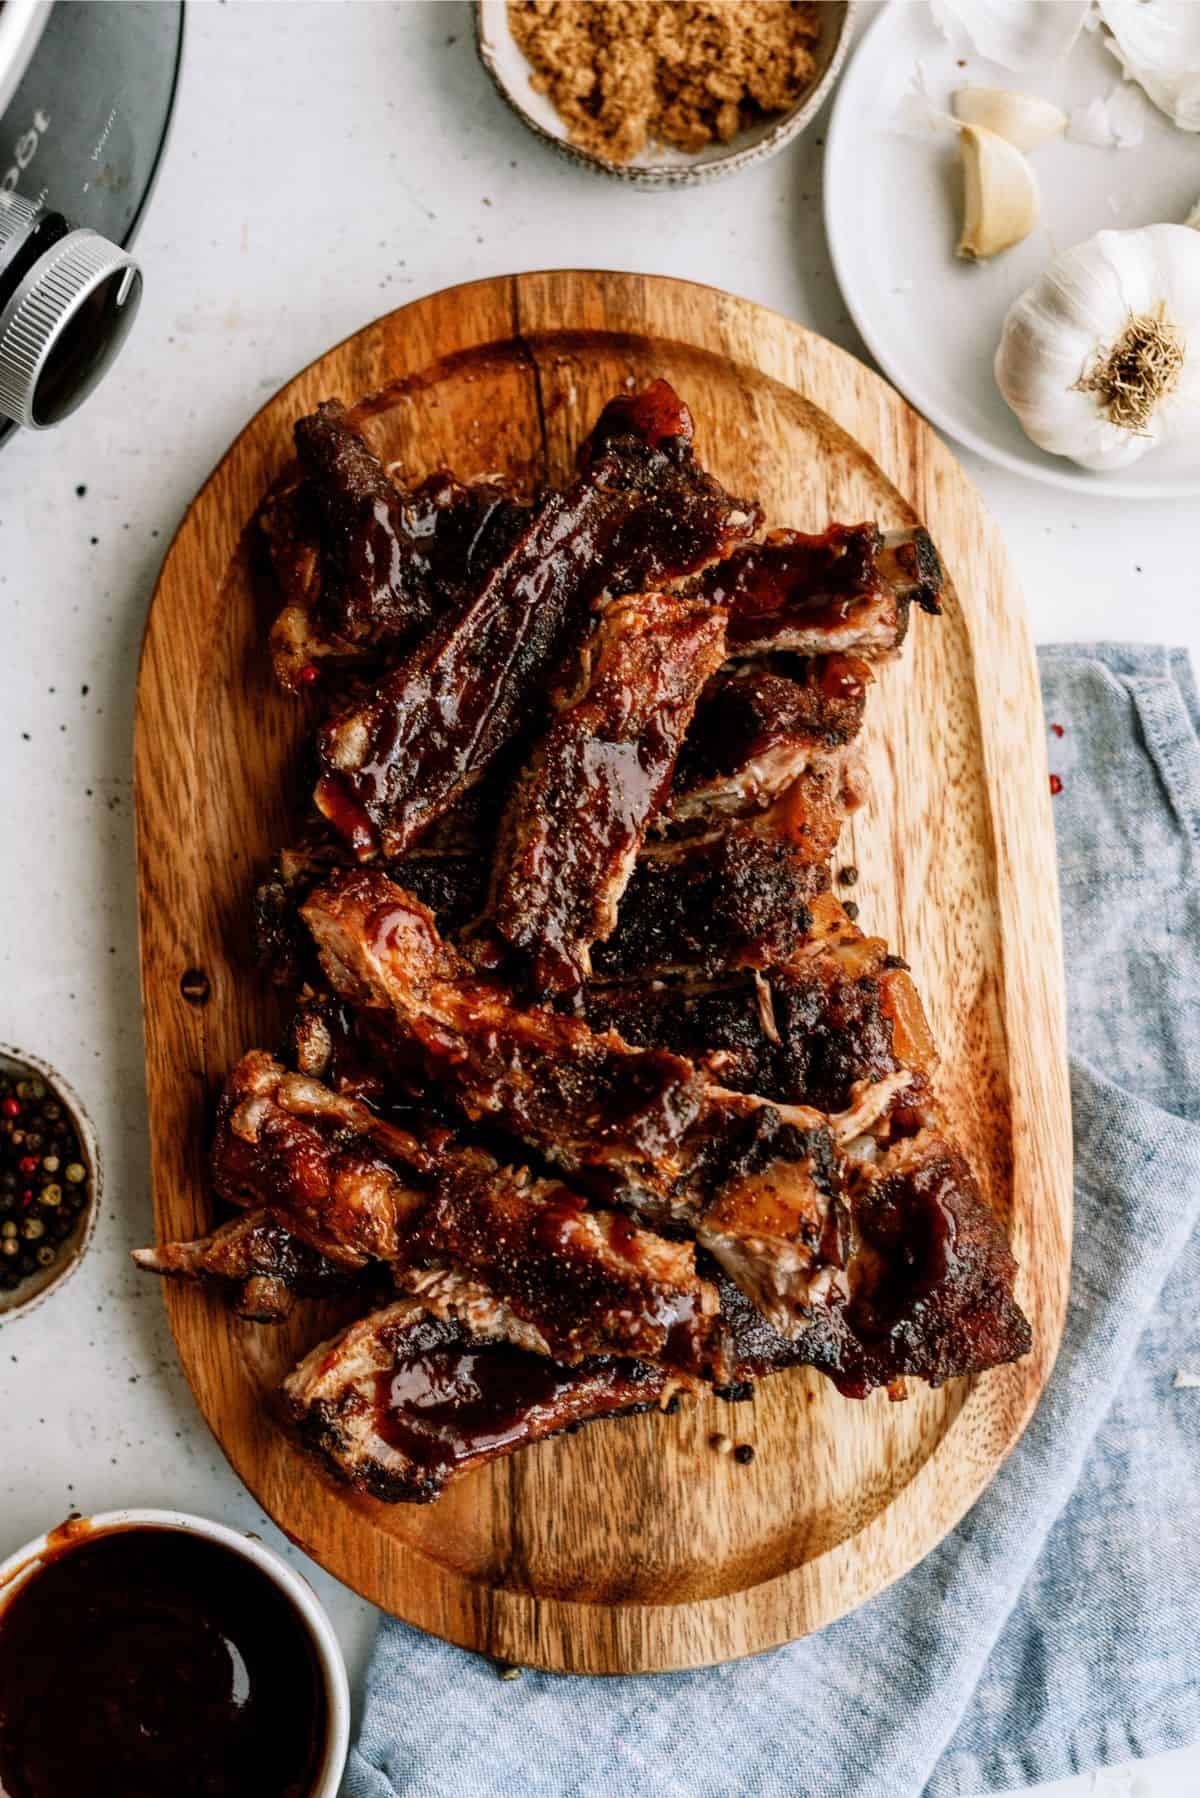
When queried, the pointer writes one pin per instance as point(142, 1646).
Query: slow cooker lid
point(90, 88)
point(84, 126)
point(21, 25)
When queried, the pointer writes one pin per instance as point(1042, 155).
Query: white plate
point(892, 207)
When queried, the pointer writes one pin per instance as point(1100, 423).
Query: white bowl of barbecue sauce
point(149, 1654)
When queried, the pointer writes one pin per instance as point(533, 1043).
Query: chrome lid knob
point(66, 306)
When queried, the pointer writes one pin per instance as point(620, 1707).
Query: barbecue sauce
point(642, 512)
point(456, 1403)
point(153, 1663)
point(820, 579)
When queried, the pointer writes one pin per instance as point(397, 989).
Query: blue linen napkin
point(1058, 1628)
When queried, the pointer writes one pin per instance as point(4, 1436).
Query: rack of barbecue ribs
point(593, 1096)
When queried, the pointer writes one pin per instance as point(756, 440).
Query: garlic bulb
point(1017, 34)
point(1000, 197)
point(1157, 43)
point(1023, 119)
point(1100, 358)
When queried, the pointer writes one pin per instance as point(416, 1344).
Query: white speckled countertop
point(326, 164)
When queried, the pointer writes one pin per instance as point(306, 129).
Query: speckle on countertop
point(144, 444)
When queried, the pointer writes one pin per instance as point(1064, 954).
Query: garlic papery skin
point(1114, 121)
point(1022, 119)
point(1017, 34)
point(1157, 43)
point(917, 113)
point(1100, 358)
point(1000, 197)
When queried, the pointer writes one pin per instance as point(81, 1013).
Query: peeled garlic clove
point(1000, 197)
point(1022, 119)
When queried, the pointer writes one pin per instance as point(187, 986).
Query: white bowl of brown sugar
point(664, 95)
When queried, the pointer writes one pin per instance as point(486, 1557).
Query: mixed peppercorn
point(43, 1178)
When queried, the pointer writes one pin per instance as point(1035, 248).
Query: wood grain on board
point(631, 1546)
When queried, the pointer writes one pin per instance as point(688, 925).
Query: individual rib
point(266, 1265)
point(346, 1182)
point(404, 1402)
point(363, 566)
point(579, 810)
point(640, 512)
point(589, 1279)
point(356, 1188)
point(839, 1012)
point(929, 1283)
point(738, 894)
point(849, 590)
point(755, 1183)
point(761, 726)
point(450, 877)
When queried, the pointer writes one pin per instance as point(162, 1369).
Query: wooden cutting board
point(633, 1545)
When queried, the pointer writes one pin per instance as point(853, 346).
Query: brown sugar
point(625, 72)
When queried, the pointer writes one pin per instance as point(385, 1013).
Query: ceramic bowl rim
point(656, 176)
point(23, 1564)
point(12, 1305)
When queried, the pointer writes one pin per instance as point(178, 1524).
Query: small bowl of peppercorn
point(49, 1182)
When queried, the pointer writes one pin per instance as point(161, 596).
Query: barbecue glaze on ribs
point(406, 1401)
point(589, 1066)
point(363, 567)
point(358, 1189)
point(580, 808)
point(640, 512)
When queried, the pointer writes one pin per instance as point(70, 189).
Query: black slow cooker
point(86, 91)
